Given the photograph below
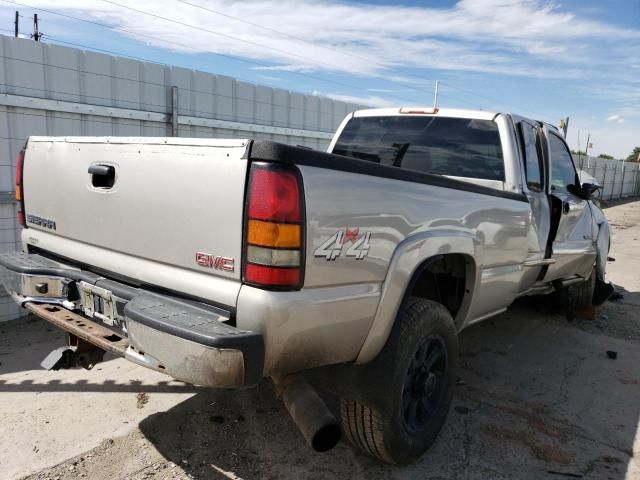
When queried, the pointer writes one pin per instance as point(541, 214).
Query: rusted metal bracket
point(83, 328)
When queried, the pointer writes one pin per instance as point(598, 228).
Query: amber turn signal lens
point(270, 234)
point(18, 193)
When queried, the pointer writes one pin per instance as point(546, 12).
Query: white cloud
point(473, 35)
point(271, 78)
point(380, 90)
point(615, 118)
point(366, 101)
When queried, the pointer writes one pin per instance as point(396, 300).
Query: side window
point(563, 173)
point(532, 164)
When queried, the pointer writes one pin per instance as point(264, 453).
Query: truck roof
point(440, 112)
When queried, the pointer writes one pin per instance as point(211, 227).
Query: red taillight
point(272, 276)
point(274, 195)
point(273, 241)
point(19, 188)
point(19, 163)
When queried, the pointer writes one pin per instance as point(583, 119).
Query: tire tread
point(363, 428)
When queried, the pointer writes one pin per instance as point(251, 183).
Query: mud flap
point(602, 292)
point(63, 357)
point(82, 354)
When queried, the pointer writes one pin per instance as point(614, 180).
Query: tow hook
point(317, 424)
point(77, 353)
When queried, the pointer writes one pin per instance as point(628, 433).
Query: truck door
point(570, 237)
point(535, 173)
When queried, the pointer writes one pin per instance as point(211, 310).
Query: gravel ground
point(538, 398)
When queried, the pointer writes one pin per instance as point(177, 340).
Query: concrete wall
point(53, 90)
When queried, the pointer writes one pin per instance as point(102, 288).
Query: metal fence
point(53, 90)
point(618, 179)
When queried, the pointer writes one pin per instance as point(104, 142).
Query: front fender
point(603, 242)
point(602, 234)
point(407, 259)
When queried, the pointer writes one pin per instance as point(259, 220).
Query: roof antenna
point(435, 97)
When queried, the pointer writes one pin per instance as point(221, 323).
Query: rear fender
point(408, 260)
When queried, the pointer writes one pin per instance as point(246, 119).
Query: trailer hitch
point(77, 353)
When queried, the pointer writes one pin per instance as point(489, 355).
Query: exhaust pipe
point(319, 427)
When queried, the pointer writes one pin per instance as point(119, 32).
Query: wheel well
point(444, 279)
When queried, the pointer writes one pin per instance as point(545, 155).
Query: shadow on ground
point(29, 334)
point(538, 399)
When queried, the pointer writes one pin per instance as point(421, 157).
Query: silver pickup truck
point(221, 262)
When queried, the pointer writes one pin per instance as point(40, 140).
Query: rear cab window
point(459, 147)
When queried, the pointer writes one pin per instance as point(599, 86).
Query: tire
point(581, 295)
point(417, 397)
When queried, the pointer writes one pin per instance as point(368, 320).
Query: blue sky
point(547, 59)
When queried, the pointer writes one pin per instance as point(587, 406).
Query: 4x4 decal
point(333, 246)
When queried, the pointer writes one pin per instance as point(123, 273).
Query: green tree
point(605, 156)
point(578, 152)
point(634, 155)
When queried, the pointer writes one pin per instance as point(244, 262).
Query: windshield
point(444, 146)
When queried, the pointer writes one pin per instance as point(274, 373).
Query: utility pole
point(16, 22)
point(36, 33)
point(586, 148)
point(564, 124)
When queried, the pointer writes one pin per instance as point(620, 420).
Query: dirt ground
point(538, 398)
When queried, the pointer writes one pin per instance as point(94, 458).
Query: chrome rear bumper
point(189, 341)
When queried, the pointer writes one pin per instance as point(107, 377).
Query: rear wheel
point(422, 360)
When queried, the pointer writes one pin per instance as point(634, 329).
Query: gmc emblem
point(212, 261)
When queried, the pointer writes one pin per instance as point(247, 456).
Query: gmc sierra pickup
point(221, 262)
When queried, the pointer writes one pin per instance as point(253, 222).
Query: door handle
point(566, 207)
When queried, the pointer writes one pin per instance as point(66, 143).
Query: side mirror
point(589, 189)
point(585, 191)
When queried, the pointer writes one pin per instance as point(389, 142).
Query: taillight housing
point(19, 188)
point(274, 228)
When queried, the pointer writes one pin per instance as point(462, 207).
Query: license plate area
point(97, 302)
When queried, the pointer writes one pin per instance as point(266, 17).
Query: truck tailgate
point(174, 203)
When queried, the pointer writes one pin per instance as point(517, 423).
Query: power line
point(460, 89)
point(243, 40)
point(190, 90)
point(300, 39)
point(349, 54)
point(190, 47)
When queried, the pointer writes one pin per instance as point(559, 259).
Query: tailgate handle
point(101, 170)
point(102, 176)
